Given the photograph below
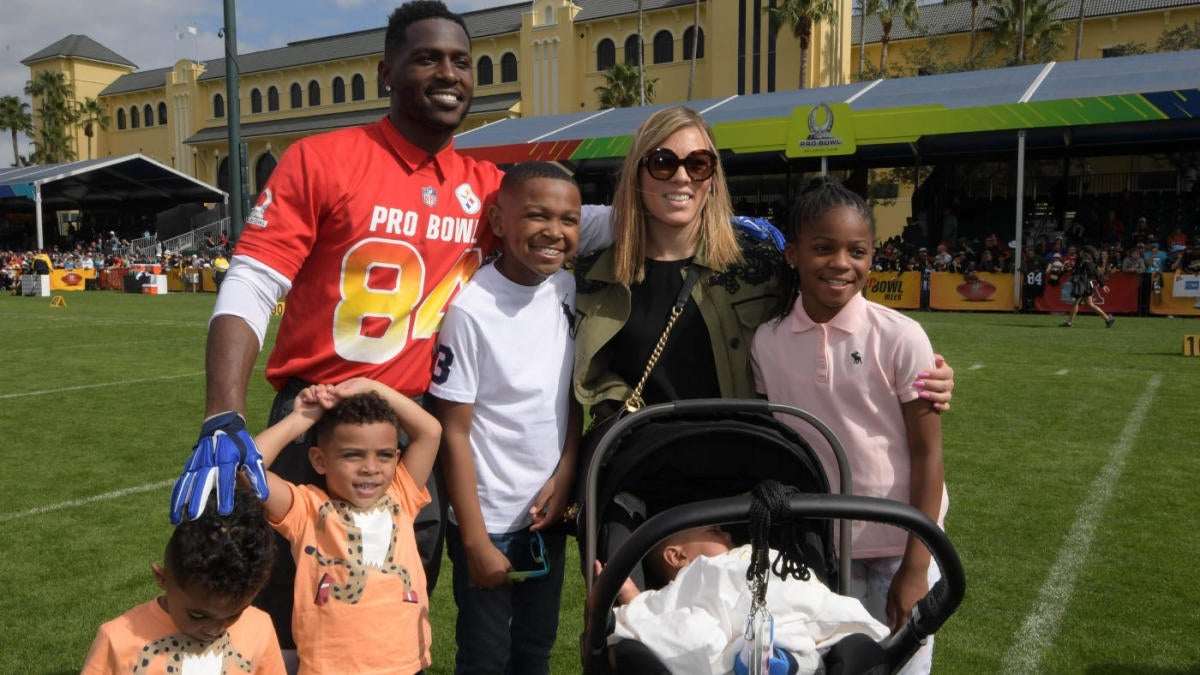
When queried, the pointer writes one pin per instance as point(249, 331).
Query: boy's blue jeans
point(509, 629)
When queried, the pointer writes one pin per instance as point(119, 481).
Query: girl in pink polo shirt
point(857, 365)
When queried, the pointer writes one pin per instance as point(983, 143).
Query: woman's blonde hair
point(717, 236)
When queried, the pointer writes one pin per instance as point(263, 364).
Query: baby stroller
point(674, 466)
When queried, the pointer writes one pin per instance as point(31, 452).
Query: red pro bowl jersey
point(376, 236)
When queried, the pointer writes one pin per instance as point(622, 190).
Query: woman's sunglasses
point(662, 164)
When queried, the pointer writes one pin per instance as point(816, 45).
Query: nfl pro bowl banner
point(986, 292)
point(1121, 298)
point(898, 290)
point(1163, 300)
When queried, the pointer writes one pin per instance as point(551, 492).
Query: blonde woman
point(671, 214)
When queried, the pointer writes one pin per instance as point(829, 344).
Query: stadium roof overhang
point(134, 180)
point(1136, 104)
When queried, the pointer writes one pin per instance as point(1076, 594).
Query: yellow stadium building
point(538, 58)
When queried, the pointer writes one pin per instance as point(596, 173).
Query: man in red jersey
point(369, 232)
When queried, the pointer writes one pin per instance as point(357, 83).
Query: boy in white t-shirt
point(510, 425)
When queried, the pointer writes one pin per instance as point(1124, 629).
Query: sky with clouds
point(145, 31)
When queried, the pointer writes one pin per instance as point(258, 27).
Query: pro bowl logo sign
point(821, 130)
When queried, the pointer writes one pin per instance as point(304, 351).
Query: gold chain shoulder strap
point(635, 402)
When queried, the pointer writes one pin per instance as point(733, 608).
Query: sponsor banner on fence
point(1164, 301)
point(1186, 286)
point(70, 280)
point(1121, 298)
point(987, 292)
point(899, 290)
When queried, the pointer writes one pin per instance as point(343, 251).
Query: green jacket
point(733, 303)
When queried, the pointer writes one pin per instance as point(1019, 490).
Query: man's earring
point(387, 88)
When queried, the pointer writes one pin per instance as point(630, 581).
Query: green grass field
point(1071, 457)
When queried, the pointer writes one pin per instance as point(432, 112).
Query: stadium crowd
point(1143, 249)
point(105, 252)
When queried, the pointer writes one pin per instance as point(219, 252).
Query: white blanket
point(696, 623)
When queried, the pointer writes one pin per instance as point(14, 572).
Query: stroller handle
point(702, 407)
point(928, 615)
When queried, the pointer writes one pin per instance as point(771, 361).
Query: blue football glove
point(759, 229)
point(224, 447)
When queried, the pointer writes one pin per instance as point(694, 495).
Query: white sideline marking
point(977, 366)
point(5, 517)
point(1040, 627)
point(1064, 371)
point(99, 385)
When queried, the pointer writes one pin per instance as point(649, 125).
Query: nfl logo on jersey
point(429, 196)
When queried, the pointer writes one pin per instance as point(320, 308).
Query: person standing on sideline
point(369, 232)
point(1086, 280)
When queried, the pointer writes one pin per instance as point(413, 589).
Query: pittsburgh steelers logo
point(470, 203)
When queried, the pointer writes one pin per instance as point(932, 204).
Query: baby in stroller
point(696, 623)
point(694, 463)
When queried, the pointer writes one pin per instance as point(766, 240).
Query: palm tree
point(1043, 31)
point(15, 118)
point(865, 8)
point(1079, 29)
point(623, 87)
point(889, 11)
point(53, 97)
point(800, 16)
point(974, 25)
point(641, 60)
point(91, 115)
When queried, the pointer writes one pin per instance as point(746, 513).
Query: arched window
point(314, 94)
point(339, 90)
point(255, 101)
point(272, 99)
point(120, 119)
point(135, 119)
point(358, 88)
point(508, 67)
point(297, 96)
point(162, 112)
point(484, 71)
point(606, 54)
point(148, 115)
point(218, 106)
point(548, 15)
point(262, 171)
point(632, 52)
point(664, 47)
point(688, 36)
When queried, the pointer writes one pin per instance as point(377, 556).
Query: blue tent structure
point(134, 180)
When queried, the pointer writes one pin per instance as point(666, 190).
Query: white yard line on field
point(976, 366)
point(99, 385)
point(1037, 634)
point(1064, 371)
point(5, 517)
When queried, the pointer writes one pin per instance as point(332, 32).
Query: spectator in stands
point(1191, 259)
point(1156, 259)
point(1141, 231)
point(1175, 264)
point(1138, 253)
point(1107, 263)
point(1059, 246)
point(1176, 238)
point(941, 261)
point(987, 261)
